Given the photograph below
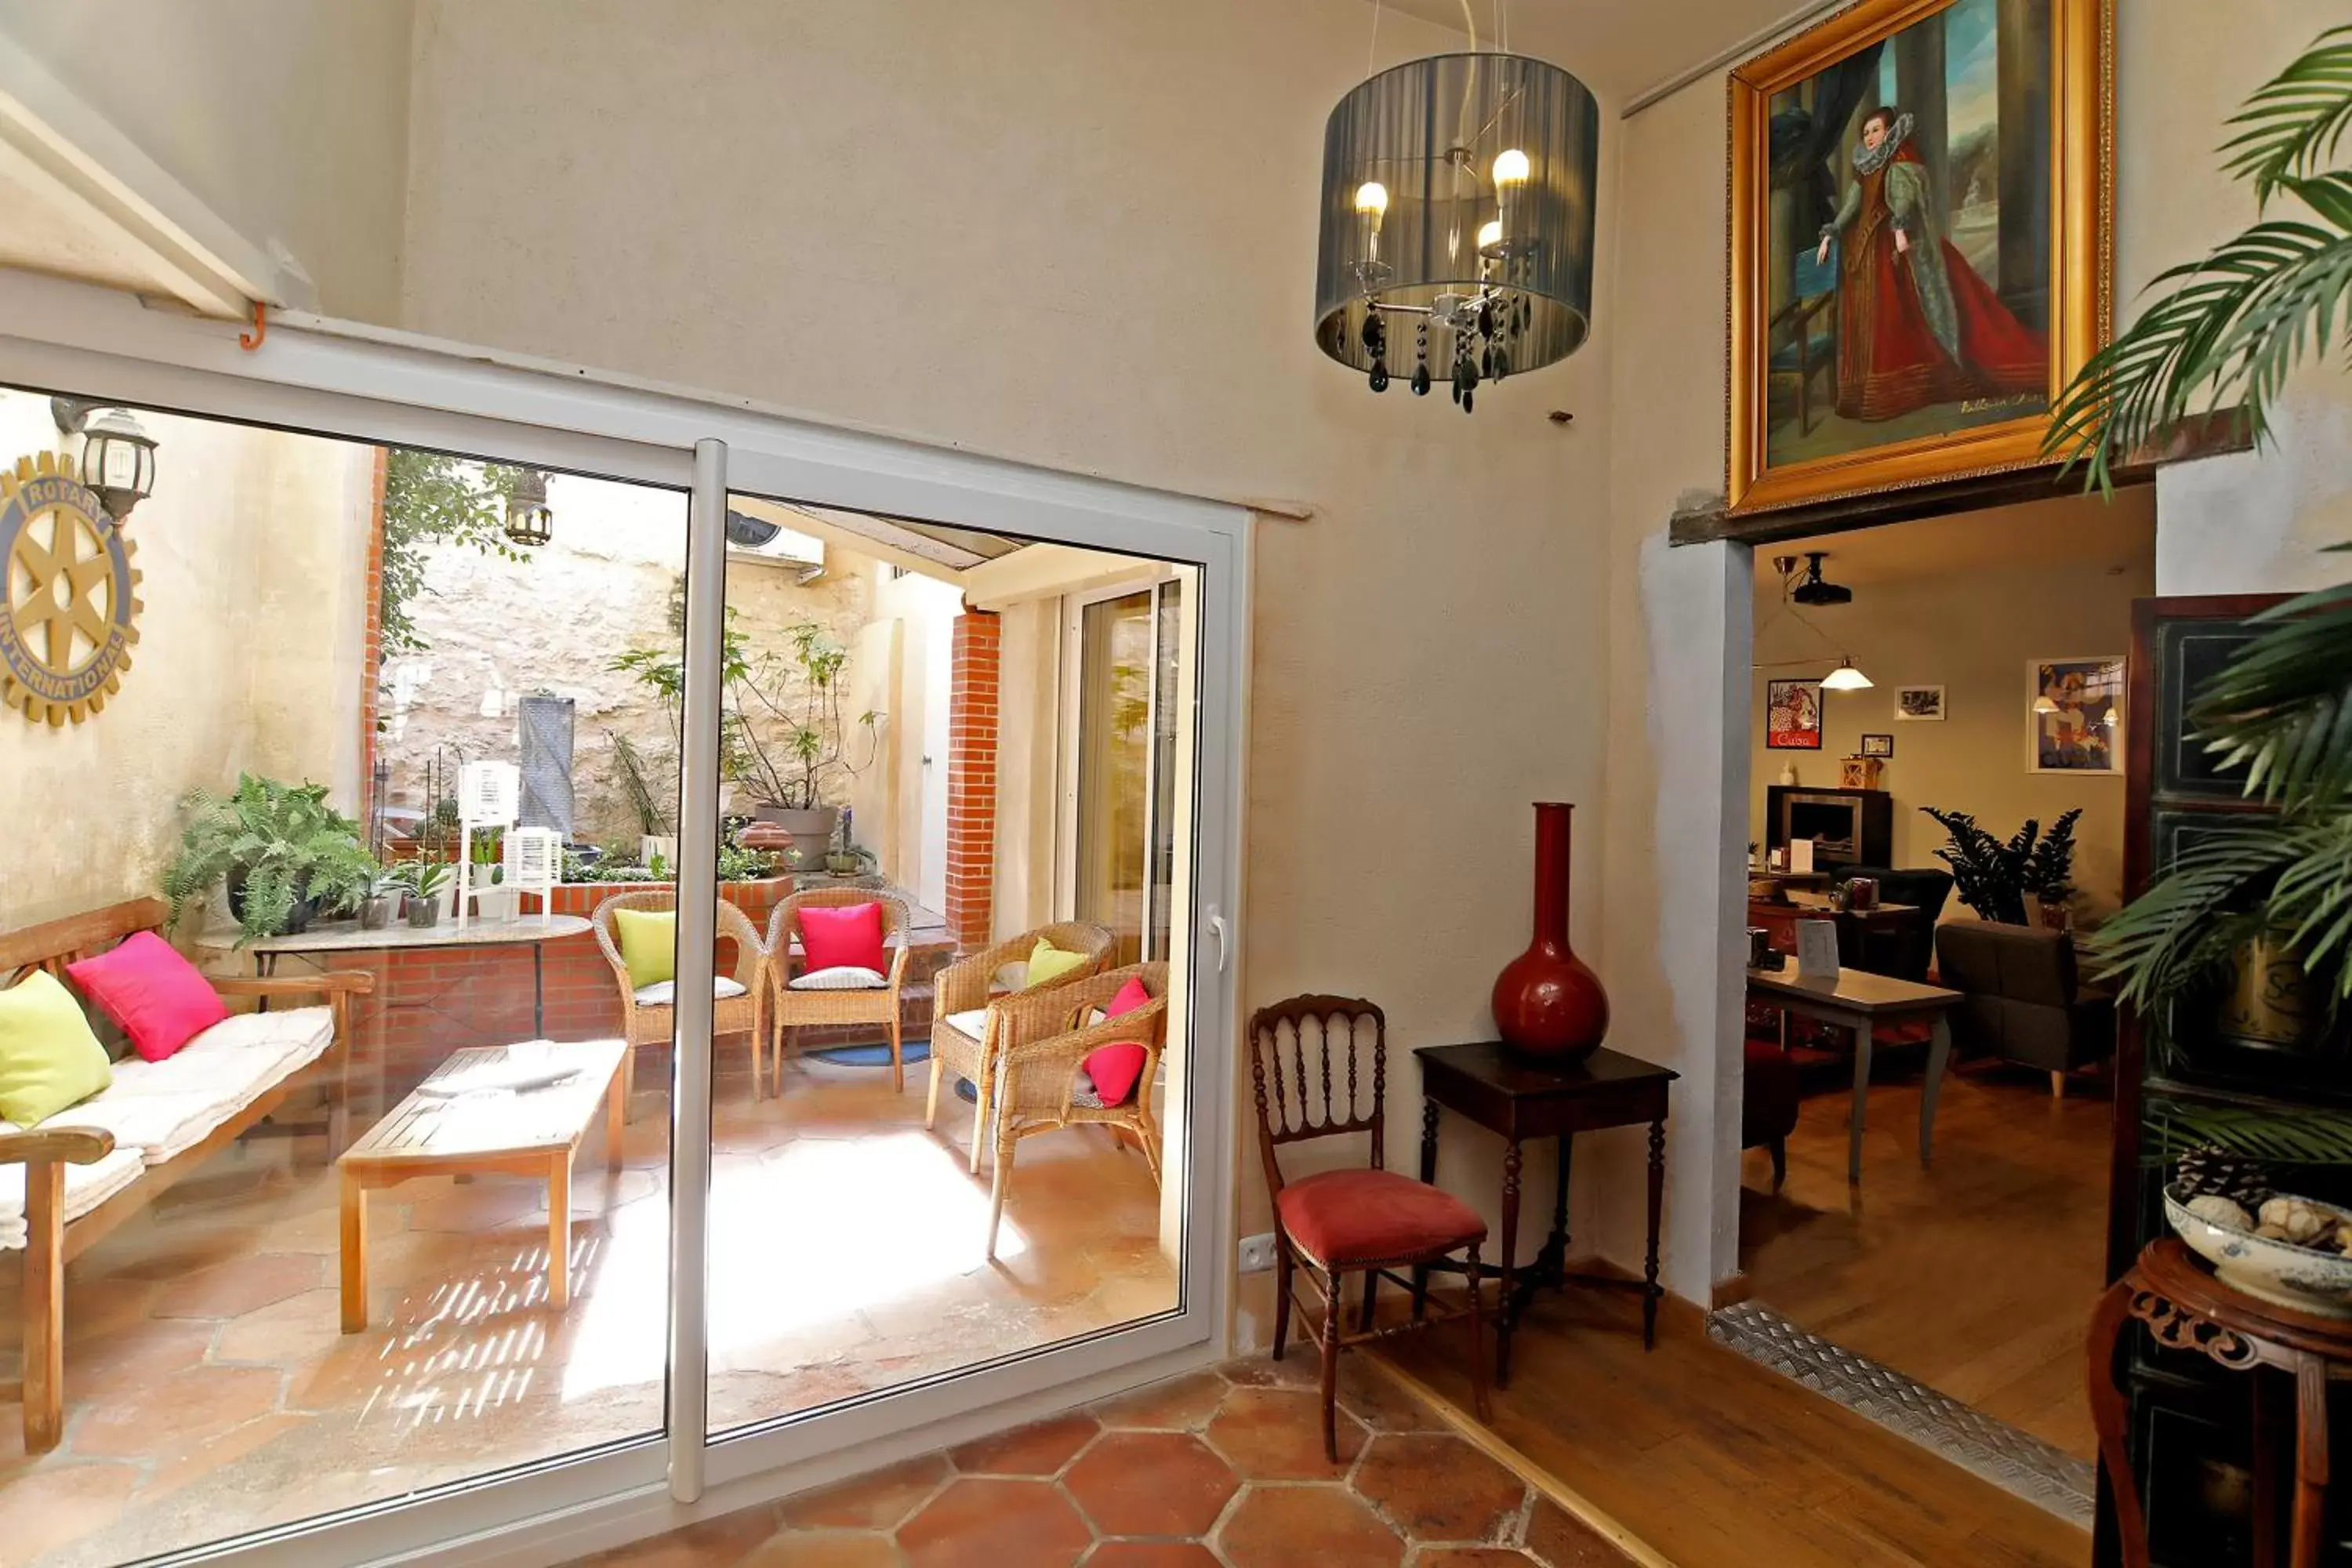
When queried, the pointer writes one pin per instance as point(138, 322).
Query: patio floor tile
point(1039, 1450)
point(985, 1522)
point(1435, 1486)
point(1151, 1483)
point(1282, 1527)
point(1276, 1435)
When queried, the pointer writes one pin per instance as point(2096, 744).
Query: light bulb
point(1490, 233)
point(1846, 677)
point(1511, 167)
point(1372, 199)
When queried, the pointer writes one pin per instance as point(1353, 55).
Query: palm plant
point(281, 850)
point(2233, 325)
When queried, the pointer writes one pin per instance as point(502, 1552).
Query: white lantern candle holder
point(489, 794)
point(534, 861)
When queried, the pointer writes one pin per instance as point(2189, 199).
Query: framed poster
point(1793, 716)
point(1919, 704)
point(1920, 206)
point(2077, 707)
point(1878, 745)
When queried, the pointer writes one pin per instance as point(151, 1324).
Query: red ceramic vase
point(1547, 1002)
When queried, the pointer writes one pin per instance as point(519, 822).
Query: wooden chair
point(1368, 1221)
point(1057, 1032)
point(874, 1004)
point(968, 1031)
point(648, 1017)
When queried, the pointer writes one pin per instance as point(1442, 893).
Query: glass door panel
point(330, 717)
point(898, 1194)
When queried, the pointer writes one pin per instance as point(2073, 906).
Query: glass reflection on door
point(1125, 658)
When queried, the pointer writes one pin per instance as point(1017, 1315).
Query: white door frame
point(335, 379)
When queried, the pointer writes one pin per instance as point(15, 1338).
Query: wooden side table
point(1858, 1001)
point(1519, 1097)
point(2186, 1308)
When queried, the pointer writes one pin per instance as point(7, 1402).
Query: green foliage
point(1993, 877)
point(2232, 326)
point(425, 878)
point(2281, 709)
point(280, 843)
point(2172, 1128)
point(430, 498)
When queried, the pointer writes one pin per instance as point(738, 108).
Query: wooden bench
point(52, 1241)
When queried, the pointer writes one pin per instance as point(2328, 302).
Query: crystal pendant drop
point(1380, 375)
point(1421, 380)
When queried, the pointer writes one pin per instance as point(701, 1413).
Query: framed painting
point(1916, 704)
point(1793, 716)
point(1878, 745)
point(2076, 708)
point(1920, 205)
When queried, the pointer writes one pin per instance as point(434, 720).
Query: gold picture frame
point(2074, 298)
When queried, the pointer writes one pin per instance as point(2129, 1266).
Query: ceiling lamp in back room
point(1457, 226)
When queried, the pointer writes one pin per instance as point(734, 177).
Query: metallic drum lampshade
point(1457, 221)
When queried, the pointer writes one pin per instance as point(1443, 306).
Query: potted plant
point(382, 905)
point(1993, 877)
point(427, 881)
point(2050, 873)
point(280, 852)
point(493, 900)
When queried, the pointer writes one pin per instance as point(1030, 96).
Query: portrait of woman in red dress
point(1916, 325)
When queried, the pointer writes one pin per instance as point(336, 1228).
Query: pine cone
point(2214, 1170)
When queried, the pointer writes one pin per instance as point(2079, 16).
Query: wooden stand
point(2186, 1308)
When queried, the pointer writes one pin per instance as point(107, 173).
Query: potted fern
point(281, 854)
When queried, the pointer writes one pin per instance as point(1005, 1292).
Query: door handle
point(1222, 932)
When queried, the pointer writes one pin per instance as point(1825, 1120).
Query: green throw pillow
point(1047, 962)
point(49, 1057)
point(648, 945)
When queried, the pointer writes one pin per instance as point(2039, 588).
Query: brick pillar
point(972, 779)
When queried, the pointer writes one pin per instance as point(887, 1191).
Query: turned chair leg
point(2057, 1085)
point(1331, 1366)
point(1283, 1303)
point(1780, 1150)
point(1477, 1344)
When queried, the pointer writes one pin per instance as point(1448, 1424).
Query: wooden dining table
point(1858, 1001)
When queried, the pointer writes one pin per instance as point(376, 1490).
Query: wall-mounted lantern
point(118, 457)
point(529, 519)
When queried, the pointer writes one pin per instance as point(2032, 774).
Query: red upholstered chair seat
point(1768, 1096)
point(1350, 1218)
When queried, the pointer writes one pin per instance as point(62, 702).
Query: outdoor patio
point(210, 1391)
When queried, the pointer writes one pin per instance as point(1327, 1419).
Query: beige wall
point(2182, 69)
point(1972, 633)
point(1082, 236)
point(288, 118)
point(254, 553)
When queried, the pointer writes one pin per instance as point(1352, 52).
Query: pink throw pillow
point(151, 992)
point(1115, 1068)
point(845, 936)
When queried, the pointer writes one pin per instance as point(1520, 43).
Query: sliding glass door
point(609, 725)
point(1121, 659)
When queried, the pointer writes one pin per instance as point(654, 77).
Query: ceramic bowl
point(2280, 1272)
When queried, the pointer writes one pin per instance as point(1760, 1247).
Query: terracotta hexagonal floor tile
point(1276, 1435)
point(1284, 1527)
point(1438, 1488)
point(714, 1541)
point(60, 1503)
point(987, 1523)
point(1471, 1557)
point(879, 1502)
point(1558, 1538)
point(1297, 1369)
point(1368, 1395)
point(191, 1406)
point(1151, 1483)
point(244, 1285)
point(823, 1549)
point(1180, 1404)
point(1039, 1450)
point(1152, 1554)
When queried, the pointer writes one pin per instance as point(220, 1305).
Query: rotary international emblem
point(70, 604)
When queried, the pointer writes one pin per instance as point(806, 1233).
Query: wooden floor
point(1714, 1462)
point(1976, 1275)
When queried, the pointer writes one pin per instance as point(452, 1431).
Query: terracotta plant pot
point(1547, 1002)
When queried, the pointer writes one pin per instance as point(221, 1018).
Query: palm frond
point(2191, 919)
point(2308, 1137)
point(2283, 707)
point(2296, 118)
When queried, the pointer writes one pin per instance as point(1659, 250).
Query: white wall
point(288, 118)
point(1084, 235)
point(253, 550)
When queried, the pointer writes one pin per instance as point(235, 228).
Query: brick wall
point(972, 779)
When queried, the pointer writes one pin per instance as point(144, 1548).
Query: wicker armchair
point(968, 1025)
point(740, 1002)
point(879, 1005)
point(1034, 1077)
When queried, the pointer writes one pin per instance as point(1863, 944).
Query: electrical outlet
point(1257, 1253)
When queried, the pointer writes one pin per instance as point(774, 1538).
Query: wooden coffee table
point(532, 1133)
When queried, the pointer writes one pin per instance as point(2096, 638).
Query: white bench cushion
point(163, 1109)
point(87, 1186)
point(845, 977)
point(662, 993)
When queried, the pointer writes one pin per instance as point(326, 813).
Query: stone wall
point(498, 630)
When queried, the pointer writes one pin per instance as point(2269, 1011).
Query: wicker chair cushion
point(1351, 1218)
point(848, 936)
point(1108, 1076)
point(974, 1023)
point(842, 977)
point(662, 993)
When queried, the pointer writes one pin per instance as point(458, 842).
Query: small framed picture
point(1878, 745)
point(2076, 714)
point(1793, 720)
point(1919, 702)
